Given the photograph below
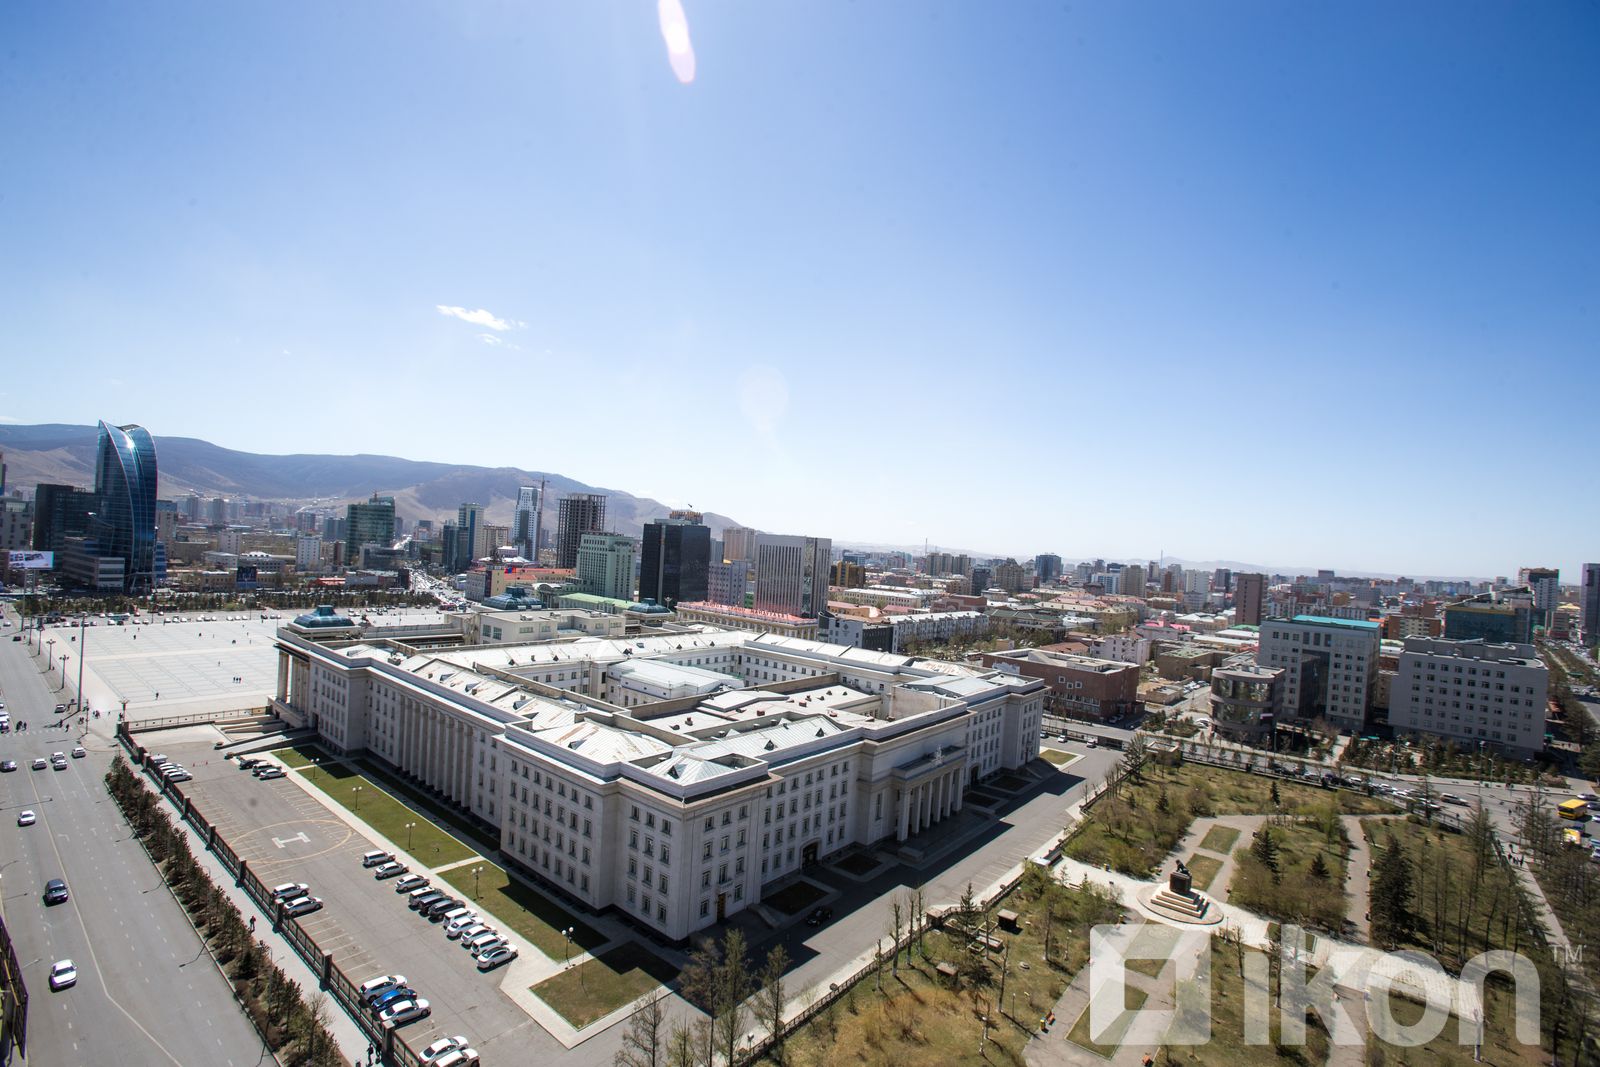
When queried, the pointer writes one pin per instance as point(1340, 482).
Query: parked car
point(388, 997)
point(422, 900)
point(7, 766)
point(466, 933)
point(819, 916)
point(63, 973)
point(390, 870)
point(247, 762)
point(302, 905)
point(78, 752)
point(27, 818)
point(436, 910)
point(488, 961)
point(55, 891)
point(493, 943)
point(461, 1057)
point(410, 882)
point(289, 890)
point(479, 941)
point(373, 988)
point(270, 773)
point(404, 1012)
point(376, 858)
point(181, 776)
point(440, 1048)
point(39, 763)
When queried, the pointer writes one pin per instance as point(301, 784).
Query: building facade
point(1589, 605)
point(791, 574)
point(1249, 595)
point(1246, 701)
point(577, 514)
point(1471, 692)
point(1330, 666)
point(674, 562)
point(370, 523)
point(1501, 621)
point(778, 753)
point(1080, 686)
point(124, 524)
point(726, 582)
point(605, 565)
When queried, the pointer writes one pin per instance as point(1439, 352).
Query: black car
point(8, 765)
point(247, 762)
point(818, 917)
point(55, 891)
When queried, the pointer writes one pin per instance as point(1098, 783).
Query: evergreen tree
point(1265, 849)
point(1391, 894)
point(1319, 869)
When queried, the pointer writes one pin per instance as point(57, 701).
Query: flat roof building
point(1471, 692)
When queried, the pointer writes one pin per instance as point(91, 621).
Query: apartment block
point(1330, 666)
point(1471, 692)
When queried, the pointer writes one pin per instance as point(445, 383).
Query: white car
point(27, 818)
point(404, 1011)
point(289, 890)
point(78, 752)
point(373, 988)
point(63, 973)
point(461, 1057)
point(302, 905)
point(441, 1048)
point(494, 957)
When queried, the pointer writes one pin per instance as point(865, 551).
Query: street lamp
point(64, 658)
point(567, 933)
point(48, 660)
point(409, 826)
point(476, 895)
point(356, 792)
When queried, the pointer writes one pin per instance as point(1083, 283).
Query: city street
point(146, 990)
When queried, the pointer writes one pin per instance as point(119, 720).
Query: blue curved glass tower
point(125, 522)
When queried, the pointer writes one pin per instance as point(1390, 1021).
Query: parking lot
point(286, 834)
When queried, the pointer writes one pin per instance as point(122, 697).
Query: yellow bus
point(1574, 809)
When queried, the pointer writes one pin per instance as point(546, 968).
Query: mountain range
point(422, 490)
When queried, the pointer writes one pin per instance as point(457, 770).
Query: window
point(705, 908)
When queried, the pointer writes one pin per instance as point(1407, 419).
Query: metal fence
point(330, 978)
point(203, 718)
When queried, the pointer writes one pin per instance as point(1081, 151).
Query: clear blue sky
point(1292, 283)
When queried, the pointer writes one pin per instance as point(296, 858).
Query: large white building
point(792, 574)
point(1330, 665)
point(1471, 692)
point(673, 776)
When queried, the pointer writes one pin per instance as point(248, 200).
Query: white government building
point(1472, 692)
point(670, 776)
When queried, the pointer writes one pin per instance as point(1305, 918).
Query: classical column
point(961, 784)
point(903, 804)
point(283, 676)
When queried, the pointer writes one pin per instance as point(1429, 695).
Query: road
point(146, 992)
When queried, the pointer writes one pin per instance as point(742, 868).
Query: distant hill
point(422, 490)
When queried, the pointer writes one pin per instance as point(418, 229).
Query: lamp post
point(64, 658)
point(83, 640)
point(476, 893)
point(49, 659)
point(409, 826)
point(355, 791)
point(567, 933)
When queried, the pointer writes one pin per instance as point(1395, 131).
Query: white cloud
point(11, 419)
point(497, 341)
point(480, 317)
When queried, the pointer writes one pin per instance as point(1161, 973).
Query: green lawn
point(597, 987)
point(520, 907)
point(1295, 895)
point(1056, 756)
point(1204, 869)
point(1220, 839)
point(298, 755)
point(427, 843)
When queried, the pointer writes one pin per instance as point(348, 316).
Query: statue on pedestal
point(1181, 882)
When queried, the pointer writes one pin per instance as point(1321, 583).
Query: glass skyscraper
point(124, 521)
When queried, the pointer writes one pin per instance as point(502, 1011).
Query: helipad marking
point(300, 837)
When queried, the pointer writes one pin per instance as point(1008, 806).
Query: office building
point(1009, 576)
point(60, 512)
point(676, 812)
point(1471, 692)
point(1133, 580)
point(1246, 701)
point(674, 561)
point(944, 564)
point(847, 575)
point(308, 553)
point(739, 543)
point(792, 574)
point(577, 514)
point(980, 580)
point(368, 523)
point(525, 521)
point(1047, 568)
point(726, 582)
point(469, 534)
point(124, 522)
point(16, 524)
point(1502, 621)
point(1545, 584)
point(490, 539)
point(1330, 667)
point(605, 565)
point(1589, 605)
point(1249, 595)
point(1081, 687)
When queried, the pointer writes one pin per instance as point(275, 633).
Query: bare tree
point(682, 1048)
point(769, 1004)
point(897, 911)
point(642, 1042)
point(731, 987)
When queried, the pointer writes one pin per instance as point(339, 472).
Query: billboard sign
point(29, 560)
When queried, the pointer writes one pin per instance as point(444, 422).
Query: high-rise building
point(1133, 580)
point(943, 564)
point(124, 524)
point(489, 539)
point(576, 515)
point(605, 565)
point(525, 523)
point(1546, 585)
point(739, 543)
point(1222, 580)
point(1589, 605)
point(980, 580)
point(726, 582)
point(1047, 568)
point(308, 553)
point(847, 575)
point(1008, 576)
point(16, 523)
point(60, 512)
point(674, 559)
point(792, 574)
point(370, 523)
point(1249, 594)
point(1330, 665)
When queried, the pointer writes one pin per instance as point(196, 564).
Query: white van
point(375, 857)
point(449, 918)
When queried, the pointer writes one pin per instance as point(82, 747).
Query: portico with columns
point(929, 789)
